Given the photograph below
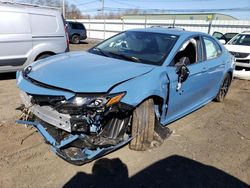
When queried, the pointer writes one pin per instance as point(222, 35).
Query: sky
point(238, 8)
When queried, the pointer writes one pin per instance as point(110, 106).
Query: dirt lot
point(208, 148)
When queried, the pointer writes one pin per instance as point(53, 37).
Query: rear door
point(214, 64)
point(15, 40)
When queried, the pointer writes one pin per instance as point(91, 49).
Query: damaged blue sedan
point(123, 90)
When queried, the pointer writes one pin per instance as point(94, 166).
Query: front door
point(187, 96)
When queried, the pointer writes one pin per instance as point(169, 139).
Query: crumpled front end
point(79, 127)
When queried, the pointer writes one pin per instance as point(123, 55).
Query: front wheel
point(146, 129)
point(224, 88)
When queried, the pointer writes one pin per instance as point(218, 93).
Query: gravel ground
point(208, 148)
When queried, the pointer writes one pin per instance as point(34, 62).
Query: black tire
point(224, 88)
point(146, 130)
point(43, 56)
point(75, 39)
point(143, 126)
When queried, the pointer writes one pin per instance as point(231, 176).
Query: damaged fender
point(26, 86)
point(137, 91)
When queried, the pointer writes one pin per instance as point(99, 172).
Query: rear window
point(77, 26)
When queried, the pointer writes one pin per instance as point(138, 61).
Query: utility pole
point(102, 9)
point(63, 8)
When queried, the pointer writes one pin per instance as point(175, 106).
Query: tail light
point(67, 36)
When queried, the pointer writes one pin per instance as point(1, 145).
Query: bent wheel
point(224, 88)
point(146, 130)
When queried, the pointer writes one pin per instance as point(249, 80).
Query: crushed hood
point(85, 72)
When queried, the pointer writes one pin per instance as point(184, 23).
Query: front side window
point(241, 39)
point(212, 49)
point(138, 46)
point(189, 53)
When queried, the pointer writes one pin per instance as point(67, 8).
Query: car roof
point(26, 8)
point(171, 31)
point(74, 22)
point(245, 32)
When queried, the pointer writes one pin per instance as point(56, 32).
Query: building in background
point(192, 16)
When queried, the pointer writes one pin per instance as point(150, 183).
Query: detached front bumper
point(80, 157)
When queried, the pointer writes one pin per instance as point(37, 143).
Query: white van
point(29, 33)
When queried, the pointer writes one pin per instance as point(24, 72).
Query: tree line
point(73, 12)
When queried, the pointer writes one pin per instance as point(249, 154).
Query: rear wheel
point(224, 88)
point(43, 56)
point(75, 39)
point(146, 130)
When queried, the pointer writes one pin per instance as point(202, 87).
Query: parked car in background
point(125, 89)
point(239, 47)
point(76, 31)
point(28, 34)
point(224, 38)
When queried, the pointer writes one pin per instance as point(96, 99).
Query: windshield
point(137, 46)
point(241, 39)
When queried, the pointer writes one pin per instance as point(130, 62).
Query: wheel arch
point(158, 104)
point(44, 53)
point(74, 34)
point(158, 100)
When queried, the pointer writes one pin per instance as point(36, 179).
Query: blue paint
point(87, 154)
point(31, 88)
point(41, 130)
point(84, 72)
point(67, 140)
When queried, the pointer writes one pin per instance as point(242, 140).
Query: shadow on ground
point(7, 76)
point(174, 171)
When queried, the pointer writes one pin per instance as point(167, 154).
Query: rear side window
point(77, 26)
point(43, 24)
point(212, 48)
point(14, 23)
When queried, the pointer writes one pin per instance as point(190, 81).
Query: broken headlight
point(76, 104)
point(95, 102)
point(89, 101)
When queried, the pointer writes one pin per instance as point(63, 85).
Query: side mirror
point(222, 41)
point(182, 73)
